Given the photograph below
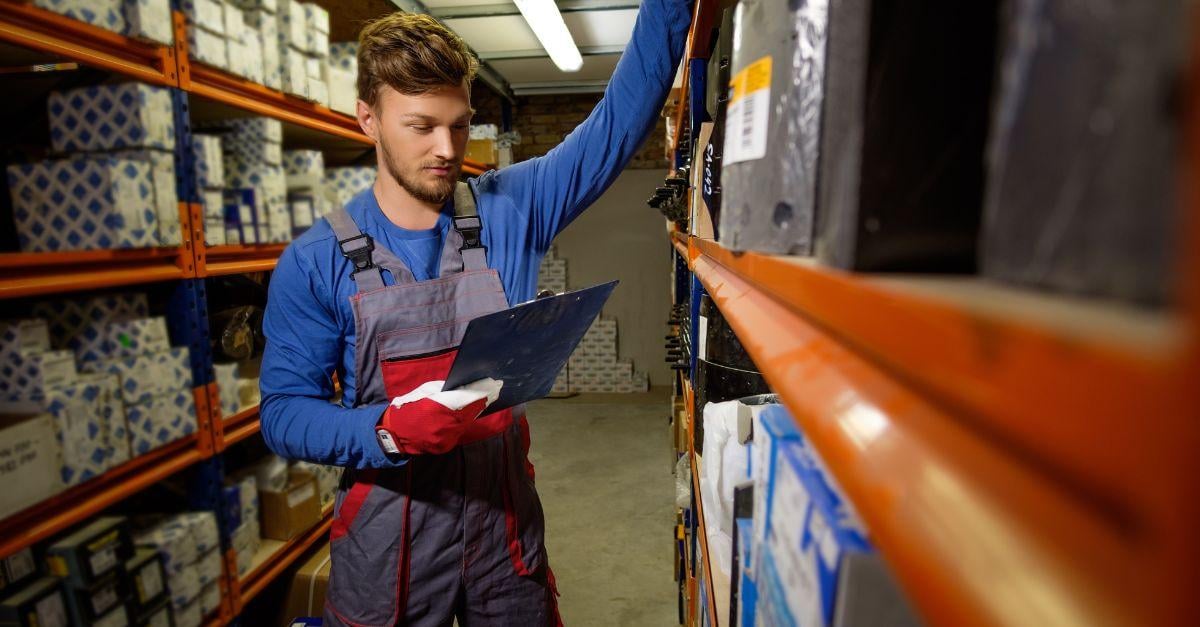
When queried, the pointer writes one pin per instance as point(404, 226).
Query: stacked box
point(39, 603)
point(772, 428)
point(28, 461)
point(78, 324)
point(210, 178)
point(306, 186)
point(84, 203)
point(261, 17)
point(111, 117)
point(190, 546)
point(80, 430)
point(113, 420)
point(253, 156)
point(241, 217)
point(343, 77)
point(156, 390)
point(147, 582)
point(149, 19)
point(247, 537)
point(327, 479)
point(244, 45)
point(346, 183)
point(552, 274)
point(292, 40)
point(206, 32)
point(166, 200)
point(29, 376)
point(106, 14)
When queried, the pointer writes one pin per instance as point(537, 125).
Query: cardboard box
point(209, 161)
point(263, 129)
point(149, 375)
point(203, 527)
point(40, 604)
point(86, 202)
point(772, 428)
point(92, 604)
point(29, 461)
point(147, 581)
point(166, 200)
point(184, 587)
point(318, 90)
point(131, 337)
point(328, 478)
point(209, 567)
point(16, 570)
point(188, 614)
point(293, 24)
point(207, 14)
point(304, 169)
point(346, 183)
point(114, 426)
point(482, 150)
point(246, 56)
point(90, 553)
point(344, 55)
point(174, 542)
point(112, 117)
point(292, 511)
point(268, 33)
point(226, 377)
point(20, 337)
point(210, 598)
point(29, 376)
point(77, 323)
point(318, 18)
point(268, 6)
point(160, 420)
point(244, 154)
point(208, 47)
point(149, 19)
point(106, 14)
point(293, 67)
point(81, 430)
point(306, 591)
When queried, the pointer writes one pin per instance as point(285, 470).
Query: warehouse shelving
point(1019, 457)
point(275, 556)
point(240, 426)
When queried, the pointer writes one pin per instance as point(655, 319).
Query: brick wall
point(543, 121)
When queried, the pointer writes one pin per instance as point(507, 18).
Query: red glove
point(429, 421)
point(426, 427)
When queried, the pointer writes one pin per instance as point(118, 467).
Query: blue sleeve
point(304, 344)
point(561, 184)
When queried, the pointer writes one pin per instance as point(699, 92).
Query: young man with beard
point(436, 516)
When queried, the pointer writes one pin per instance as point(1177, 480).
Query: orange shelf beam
point(28, 26)
point(256, 580)
point(241, 425)
point(976, 533)
point(702, 542)
point(236, 259)
point(85, 500)
point(41, 282)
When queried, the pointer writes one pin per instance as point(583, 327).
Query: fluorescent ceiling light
point(547, 23)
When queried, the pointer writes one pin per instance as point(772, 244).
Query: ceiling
point(504, 41)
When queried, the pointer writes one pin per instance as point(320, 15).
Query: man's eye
point(419, 129)
point(461, 127)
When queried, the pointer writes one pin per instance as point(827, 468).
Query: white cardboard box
point(28, 461)
point(111, 117)
point(77, 323)
point(166, 200)
point(148, 375)
point(19, 337)
point(160, 420)
point(29, 376)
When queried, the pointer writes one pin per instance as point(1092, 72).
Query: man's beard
point(438, 191)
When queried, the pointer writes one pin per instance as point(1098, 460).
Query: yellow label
point(751, 78)
point(58, 566)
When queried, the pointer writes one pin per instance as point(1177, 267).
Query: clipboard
point(526, 346)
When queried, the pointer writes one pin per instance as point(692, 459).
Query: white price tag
point(749, 112)
point(103, 560)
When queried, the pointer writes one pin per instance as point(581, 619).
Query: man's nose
point(443, 146)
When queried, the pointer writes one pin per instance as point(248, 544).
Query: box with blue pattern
point(111, 117)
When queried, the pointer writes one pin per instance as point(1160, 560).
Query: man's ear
point(367, 120)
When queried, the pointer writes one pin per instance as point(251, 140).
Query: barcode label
point(748, 115)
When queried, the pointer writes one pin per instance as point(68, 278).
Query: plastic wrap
point(683, 482)
point(773, 125)
point(1082, 155)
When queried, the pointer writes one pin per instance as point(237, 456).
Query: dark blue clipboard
point(526, 346)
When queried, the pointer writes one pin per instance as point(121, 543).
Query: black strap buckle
point(359, 255)
point(470, 227)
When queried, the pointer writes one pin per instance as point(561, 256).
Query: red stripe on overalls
point(355, 497)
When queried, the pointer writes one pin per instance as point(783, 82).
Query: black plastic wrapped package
point(1083, 148)
point(772, 126)
point(724, 371)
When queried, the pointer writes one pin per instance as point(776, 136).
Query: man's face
point(422, 139)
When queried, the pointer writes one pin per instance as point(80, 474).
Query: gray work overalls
point(459, 533)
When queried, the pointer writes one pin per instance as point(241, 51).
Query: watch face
point(386, 441)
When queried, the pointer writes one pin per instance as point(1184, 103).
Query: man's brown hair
point(412, 53)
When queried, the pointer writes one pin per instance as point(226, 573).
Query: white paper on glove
point(453, 399)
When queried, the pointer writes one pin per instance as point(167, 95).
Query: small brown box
point(293, 511)
point(483, 151)
point(306, 592)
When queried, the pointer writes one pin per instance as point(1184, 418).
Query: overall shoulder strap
point(359, 248)
point(468, 225)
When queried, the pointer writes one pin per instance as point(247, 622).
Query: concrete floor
point(604, 475)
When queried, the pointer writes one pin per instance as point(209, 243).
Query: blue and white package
point(268, 32)
point(261, 128)
point(269, 6)
point(77, 324)
point(88, 202)
point(145, 377)
point(747, 597)
point(772, 427)
point(270, 199)
point(207, 14)
point(79, 429)
point(18, 337)
point(293, 69)
point(203, 527)
point(207, 47)
point(173, 539)
point(166, 199)
point(111, 117)
point(209, 160)
point(293, 24)
point(242, 150)
point(346, 183)
point(160, 420)
point(304, 169)
point(242, 218)
point(149, 19)
point(214, 217)
point(303, 213)
point(208, 567)
point(129, 337)
point(344, 55)
point(772, 609)
point(106, 14)
point(246, 52)
point(112, 415)
point(343, 90)
point(231, 505)
point(28, 376)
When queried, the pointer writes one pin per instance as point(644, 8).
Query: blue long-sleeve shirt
point(308, 321)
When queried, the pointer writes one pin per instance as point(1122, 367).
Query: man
point(436, 515)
